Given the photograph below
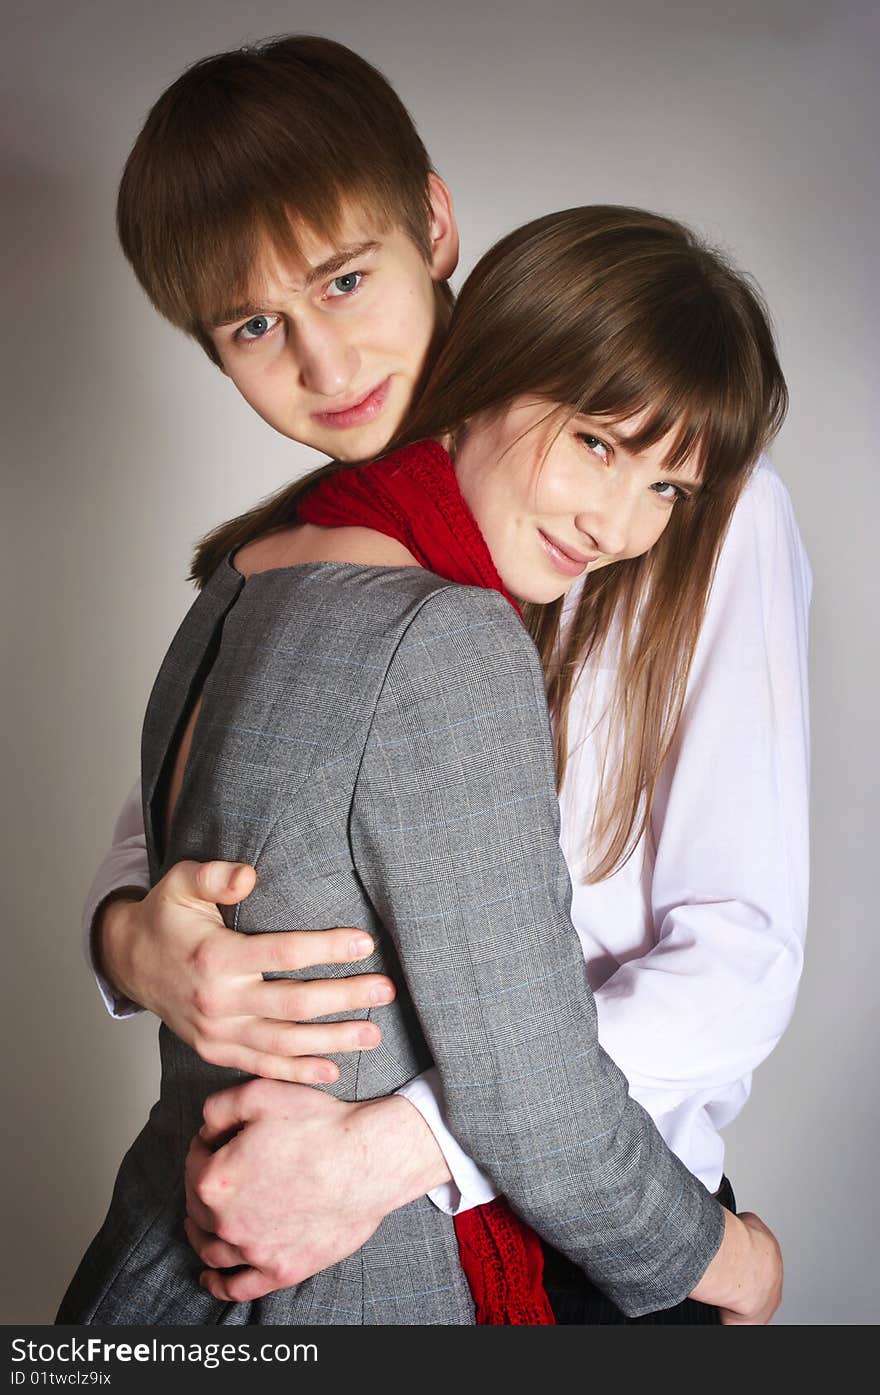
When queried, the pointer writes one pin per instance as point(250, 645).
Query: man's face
point(329, 351)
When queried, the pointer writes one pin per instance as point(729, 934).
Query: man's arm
point(293, 1190)
point(729, 889)
point(166, 949)
point(124, 875)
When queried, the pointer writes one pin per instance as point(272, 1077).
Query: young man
point(325, 324)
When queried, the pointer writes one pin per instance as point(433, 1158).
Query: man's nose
point(327, 364)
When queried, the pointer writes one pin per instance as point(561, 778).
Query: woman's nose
point(606, 528)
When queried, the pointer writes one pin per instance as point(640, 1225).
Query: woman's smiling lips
point(565, 559)
point(355, 413)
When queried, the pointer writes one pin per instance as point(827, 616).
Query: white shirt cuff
point(123, 867)
point(469, 1186)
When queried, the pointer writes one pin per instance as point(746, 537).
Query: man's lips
point(358, 411)
point(565, 559)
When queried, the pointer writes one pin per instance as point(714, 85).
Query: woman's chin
point(536, 593)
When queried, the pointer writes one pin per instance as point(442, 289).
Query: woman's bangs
point(715, 419)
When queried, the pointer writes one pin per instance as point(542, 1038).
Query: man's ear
point(444, 230)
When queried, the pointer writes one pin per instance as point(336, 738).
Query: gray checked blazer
point(376, 742)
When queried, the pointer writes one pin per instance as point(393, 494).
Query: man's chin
point(353, 447)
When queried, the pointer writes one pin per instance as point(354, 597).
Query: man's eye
point(670, 492)
point(344, 285)
point(594, 444)
point(257, 327)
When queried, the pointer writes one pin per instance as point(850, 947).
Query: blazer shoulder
point(466, 647)
point(471, 621)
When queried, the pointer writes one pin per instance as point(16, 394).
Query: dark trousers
point(575, 1301)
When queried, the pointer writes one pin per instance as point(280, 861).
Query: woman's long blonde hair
point(609, 312)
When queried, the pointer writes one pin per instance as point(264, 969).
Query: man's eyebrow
point(228, 314)
point(340, 259)
point(245, 310)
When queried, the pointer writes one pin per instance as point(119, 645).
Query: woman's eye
point(257, 327)
point(344, 285)
point(671, 493)
point(594, 444)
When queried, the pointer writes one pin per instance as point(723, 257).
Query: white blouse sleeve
point(125, 865)
point(729, 889)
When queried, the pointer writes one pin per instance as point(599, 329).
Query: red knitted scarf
point(412, 495)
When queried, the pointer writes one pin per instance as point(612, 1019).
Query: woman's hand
point(171, 953)
point(744, 1279)
point(761, 1293)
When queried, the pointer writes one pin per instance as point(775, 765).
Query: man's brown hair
point(246, 147)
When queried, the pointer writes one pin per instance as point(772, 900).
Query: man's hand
point(744, 1279)
point(303, 1182)
point(170, 952)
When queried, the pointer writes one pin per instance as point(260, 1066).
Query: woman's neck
point(307, 542)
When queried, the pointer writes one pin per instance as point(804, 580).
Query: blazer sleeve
point(455, 835)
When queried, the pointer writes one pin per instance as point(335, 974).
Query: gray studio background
point(758, 122)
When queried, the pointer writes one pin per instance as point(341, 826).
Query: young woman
point(375, 741)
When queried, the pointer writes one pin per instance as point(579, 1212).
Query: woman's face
point(555, 504)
